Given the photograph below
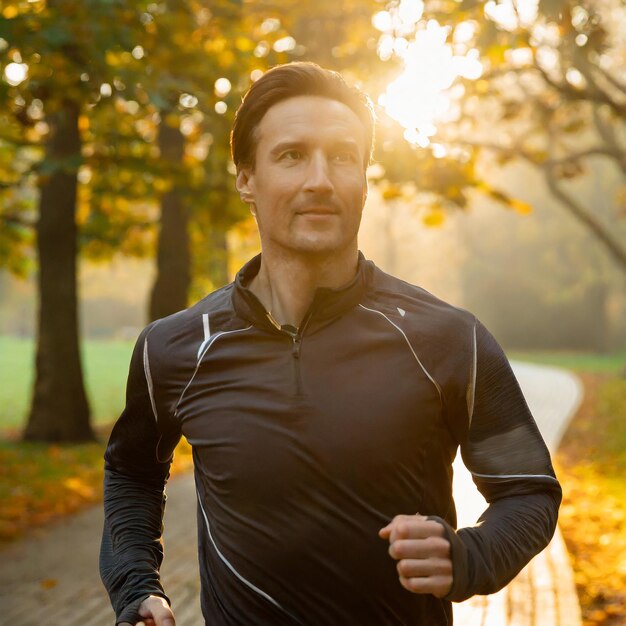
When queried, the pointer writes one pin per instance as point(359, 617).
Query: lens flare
point(421, 96)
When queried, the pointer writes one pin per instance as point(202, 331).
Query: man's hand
point(423, 554)
point(155, 611)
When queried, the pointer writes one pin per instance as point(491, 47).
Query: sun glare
point(421, 97)
point(15, 73)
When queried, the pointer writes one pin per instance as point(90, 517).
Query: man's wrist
point(130, 613)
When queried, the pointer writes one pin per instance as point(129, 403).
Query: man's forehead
point(309, 117)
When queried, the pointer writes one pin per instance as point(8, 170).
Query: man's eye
point(344, 157)
point(291, 155)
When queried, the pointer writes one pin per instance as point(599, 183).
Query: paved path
point(543, 594)
point(52, 578)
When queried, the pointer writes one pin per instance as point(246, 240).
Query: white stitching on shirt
point(207, 333)
point(146, 369)
point(514, 476)
point(208, 347)
point(471, 390)
point(228, 564)
point(432, 380)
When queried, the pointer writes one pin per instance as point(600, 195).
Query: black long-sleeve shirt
point(307, 442)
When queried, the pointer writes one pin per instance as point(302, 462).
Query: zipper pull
point(295, 350)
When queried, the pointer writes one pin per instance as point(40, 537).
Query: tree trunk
point(171, 286)
point(59, 410)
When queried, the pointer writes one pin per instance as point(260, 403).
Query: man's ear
point(245, 185)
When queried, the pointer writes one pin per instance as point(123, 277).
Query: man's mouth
point(318, 211)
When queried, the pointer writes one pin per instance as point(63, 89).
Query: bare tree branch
point(592, 95)
point(517, 150)
point(607, 134)
point(612, 244)
point(548, 166)
point(619, 85)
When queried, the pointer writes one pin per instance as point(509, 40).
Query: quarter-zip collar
point(327, 303)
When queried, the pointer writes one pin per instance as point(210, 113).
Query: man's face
point(308, 185)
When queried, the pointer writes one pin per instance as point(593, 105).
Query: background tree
point(54, 61)
point(551, 93)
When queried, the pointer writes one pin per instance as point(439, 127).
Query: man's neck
point(286, 283)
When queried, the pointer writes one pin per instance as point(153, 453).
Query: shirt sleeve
point(137, 463)
point(511, 467)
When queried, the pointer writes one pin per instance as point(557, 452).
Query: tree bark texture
point(171, 286)
point(59, 410)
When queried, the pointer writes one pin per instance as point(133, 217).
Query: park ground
point(40, 482)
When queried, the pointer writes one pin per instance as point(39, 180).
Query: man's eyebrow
point(286, 145)
point(344, 144)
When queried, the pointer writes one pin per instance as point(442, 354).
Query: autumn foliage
point(592, 470)
point(40, 483)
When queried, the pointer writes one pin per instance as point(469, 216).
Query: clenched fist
point(423, 554)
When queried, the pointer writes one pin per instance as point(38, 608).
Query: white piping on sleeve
point(514, 476)
point(471, 389)
point(146, 369)
point(245, 581)
point(207, 333)
point(432, 380)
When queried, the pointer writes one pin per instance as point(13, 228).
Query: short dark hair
point(290, 80)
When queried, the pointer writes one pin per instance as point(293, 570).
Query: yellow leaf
point(435, 218)
point(521, 207)
point(48, 583)
point(113, 59)
point(79, 487)
point(10, 12)
point(392, 192)
point(244, 44)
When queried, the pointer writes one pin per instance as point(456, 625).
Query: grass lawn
point(106, 368)
point(580, 362)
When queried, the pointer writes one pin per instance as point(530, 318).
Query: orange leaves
point(517, 205)
point(183, 461)
point(40, 482)
point(593, 516)
point(81, 488)
point(520, 207)
point(48, 583)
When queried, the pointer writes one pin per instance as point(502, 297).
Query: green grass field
point(106, 367)
point(589, 362)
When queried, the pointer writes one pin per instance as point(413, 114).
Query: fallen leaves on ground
point(591, 464)
point(40, 482)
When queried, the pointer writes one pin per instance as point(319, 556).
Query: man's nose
point(317, 174)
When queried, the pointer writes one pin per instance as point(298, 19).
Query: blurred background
point(498, 183)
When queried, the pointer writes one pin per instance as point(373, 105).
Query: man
point(325, 401)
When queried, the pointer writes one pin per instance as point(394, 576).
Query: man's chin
point(318, 247)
